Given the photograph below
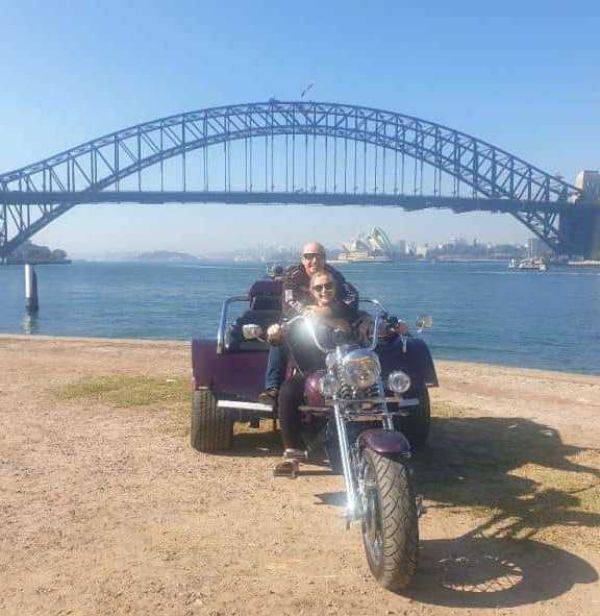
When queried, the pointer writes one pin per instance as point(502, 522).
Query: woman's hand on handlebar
point(275, 334)
point(399, 328)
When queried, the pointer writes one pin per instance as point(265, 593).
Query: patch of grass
point(445, 409)
point(514, 475)
point(129, 391)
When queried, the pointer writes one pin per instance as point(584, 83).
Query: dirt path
point(105, 509)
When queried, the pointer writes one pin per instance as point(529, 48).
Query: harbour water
point(482, 312)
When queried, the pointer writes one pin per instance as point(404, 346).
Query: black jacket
point(296, 291)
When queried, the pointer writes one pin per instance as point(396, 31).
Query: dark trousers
point(291, 396)
point(276, 363)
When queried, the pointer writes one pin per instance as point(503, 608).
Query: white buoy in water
point(31, 292)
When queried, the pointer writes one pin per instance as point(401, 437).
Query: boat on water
point(528, 264)
point(372, 248)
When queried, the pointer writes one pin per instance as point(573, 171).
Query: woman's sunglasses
point(319, 287)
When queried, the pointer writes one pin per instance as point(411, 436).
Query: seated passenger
point(328, 304)
point(295, 300)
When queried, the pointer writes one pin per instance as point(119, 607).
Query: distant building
point(373, 247)
point(536, 248)
point(421, 250)
point(589, 182)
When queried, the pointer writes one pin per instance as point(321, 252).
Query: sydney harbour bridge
point(301, 152)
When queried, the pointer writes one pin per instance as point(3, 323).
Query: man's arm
point(294, 298)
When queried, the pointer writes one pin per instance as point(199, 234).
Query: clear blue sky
point(522, 75)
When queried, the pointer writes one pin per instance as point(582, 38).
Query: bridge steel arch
point(33, 196)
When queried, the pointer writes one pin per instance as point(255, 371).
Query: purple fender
point(241, 373)
point(416, 362)
point(385, 442)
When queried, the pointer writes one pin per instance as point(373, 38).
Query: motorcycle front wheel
point(390, 528)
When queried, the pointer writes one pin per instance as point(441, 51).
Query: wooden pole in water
point(31, 292)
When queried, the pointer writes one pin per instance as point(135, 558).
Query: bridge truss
point(287, 152)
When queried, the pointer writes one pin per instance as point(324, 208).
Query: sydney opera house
point(375, 247)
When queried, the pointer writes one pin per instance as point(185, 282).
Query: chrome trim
point(407, 402)
point(244, 406)
point(223, 319)
point(381, 310)
point(354, 416)
point(315, 409)
point(375, 302)
point(352, 506)
point(401, 402)
point(379, 416)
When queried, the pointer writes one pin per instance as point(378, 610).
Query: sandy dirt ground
point(108, 510)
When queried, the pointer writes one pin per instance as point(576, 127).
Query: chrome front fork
point(388, 421)
point(353, 508)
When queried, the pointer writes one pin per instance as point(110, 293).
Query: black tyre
point(416, 426)
point(390, 528)
point(212, 429)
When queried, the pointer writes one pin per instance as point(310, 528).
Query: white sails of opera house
point(374, 247)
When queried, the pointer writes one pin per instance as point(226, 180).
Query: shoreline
point(187, 343)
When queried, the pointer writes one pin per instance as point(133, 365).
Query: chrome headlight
point(361, 368)
point(328, 385)
point(399, 382)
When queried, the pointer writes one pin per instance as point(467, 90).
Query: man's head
point(313, 258)
point(323, 288)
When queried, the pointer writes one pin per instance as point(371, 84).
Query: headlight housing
point(398, 382)
point(361, 368)
point(328, 385)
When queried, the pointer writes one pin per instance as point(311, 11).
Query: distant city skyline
point(523, 76)
point(266, 249)
point(202, 228)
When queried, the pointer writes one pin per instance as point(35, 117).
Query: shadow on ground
point(515, 479)
point(483, 572)
point(521, 480)
point(254, 443)
point(516, 471)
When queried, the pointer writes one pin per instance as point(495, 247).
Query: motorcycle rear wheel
point(211, 429)
point(390, 528)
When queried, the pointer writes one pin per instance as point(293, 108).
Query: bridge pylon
point(581, 225)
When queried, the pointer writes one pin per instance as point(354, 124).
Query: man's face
point(313, 259)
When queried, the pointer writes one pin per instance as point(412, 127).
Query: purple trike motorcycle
point(364, 407)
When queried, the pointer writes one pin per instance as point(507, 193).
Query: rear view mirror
point(251, 331)
point(424, 321)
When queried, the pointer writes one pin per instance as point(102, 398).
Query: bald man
point(297, 299)
point(296, 283)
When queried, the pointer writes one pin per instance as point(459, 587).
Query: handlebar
point(310, 326)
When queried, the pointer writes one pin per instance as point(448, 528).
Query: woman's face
point(322, 289)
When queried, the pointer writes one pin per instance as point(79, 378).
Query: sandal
point(268, 396)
